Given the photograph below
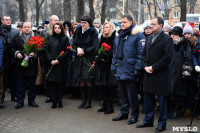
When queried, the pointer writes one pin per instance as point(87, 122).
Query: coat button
point(115, 64)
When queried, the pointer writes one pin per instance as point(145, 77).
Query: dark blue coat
point(131, 64)
point(196, 55)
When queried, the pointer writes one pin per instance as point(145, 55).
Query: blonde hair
point(112, 29)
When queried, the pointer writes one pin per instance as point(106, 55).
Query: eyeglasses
point(7, 19)
point(153, 24)
point(84, 22)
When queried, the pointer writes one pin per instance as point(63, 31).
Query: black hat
point(20, 24)
point(177, 31)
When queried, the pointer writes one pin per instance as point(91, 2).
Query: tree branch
point(41, 4)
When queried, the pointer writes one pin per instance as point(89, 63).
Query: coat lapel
point(157, 39)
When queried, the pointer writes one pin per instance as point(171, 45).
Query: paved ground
point(71, 120)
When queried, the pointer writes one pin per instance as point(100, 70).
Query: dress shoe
point(160, 129)
point(53, 106)
point(13, 99)
point(19, 105)
point(132, 121)
point(33, 104)
point(48, 100)
point(120, 117)
point(142, 125)
point(102, 109)
point(2, 105)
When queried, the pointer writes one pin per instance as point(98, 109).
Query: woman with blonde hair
point(104, 76)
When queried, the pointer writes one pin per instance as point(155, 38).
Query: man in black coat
point(25, 76)
point(156, 59)
point(10, 33)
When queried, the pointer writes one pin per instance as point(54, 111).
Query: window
point(113, 9)
point(145, 2)
point(121, 4)
point(176, 2)
point(48, 1)
point(113, 16)
point(146, 16)
point(175, 14)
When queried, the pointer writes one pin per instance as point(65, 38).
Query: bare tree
point(126, 7)
point(67, 9)
point(21, 10)
point(92, 14)
point(38, 6)
point(167, 10)
point(192, 4)
point(155, 8)
point(149, 8)
point(103, 11)
point(183, 4)
point(80, 10)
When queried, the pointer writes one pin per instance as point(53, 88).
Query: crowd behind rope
point(153, 64)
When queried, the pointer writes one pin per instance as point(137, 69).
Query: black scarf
point(123, 35)
point(7, 28)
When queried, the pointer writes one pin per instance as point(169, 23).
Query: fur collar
point(134, 31)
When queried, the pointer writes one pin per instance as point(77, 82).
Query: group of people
point(159, 62)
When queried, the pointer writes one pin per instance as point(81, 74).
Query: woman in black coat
point(57, 77)
point(85, 41)
point(104, 75)
point(180, 70)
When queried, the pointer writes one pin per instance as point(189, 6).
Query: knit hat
point(146, 24)
point(177, 31)
point(97, 21)
point(187, 29)
point(167, 27)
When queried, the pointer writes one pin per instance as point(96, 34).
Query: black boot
point(175, 113)
point(89, 95)
point(103, 107)
point(110, 109)
point(83, 96)
point(54, 103)
point(60, 105)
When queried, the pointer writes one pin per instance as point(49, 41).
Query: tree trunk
point(126, 7)
point(67, 9)
point(183, 10)
point(80, 10)
point(21, 10)
point(155, 8)
point(149, 8)
point(192, 5)
point(38, 5)
point(92, 15)
point(103, 11)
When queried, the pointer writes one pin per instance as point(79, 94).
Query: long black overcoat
point(158, 55)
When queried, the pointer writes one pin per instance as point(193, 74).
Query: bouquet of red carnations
point(104, 48)
point(35, 44)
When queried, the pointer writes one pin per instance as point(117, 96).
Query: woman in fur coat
point(104, 76)
point(180, 70)
point(85, 42)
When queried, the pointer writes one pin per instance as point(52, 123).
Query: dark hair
point(69, 24)
point(160, 20)
point(87, 18)
point(61, 27)
point(40, 27)
point(128, 17)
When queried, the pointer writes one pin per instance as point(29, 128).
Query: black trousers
point(128, 97)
